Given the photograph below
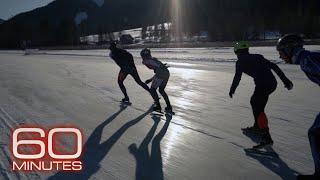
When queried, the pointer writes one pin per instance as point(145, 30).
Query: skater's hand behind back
point(148, 81)
point(288, 85)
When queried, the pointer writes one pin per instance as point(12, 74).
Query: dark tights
point(258, 103)
point(123, 75)
point(155, 96)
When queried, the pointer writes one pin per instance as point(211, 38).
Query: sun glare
point(176, 16)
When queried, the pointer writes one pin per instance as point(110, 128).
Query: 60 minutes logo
point(38, 149)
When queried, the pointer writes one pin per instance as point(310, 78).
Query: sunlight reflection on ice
point(173, 137)
point(185, 96)
point(181, 64)
point(186, 89)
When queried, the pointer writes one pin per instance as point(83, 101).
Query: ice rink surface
point(202, 141)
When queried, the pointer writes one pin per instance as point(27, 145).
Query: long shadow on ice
point(149, 165)
point(271, 160)
point(94, 151)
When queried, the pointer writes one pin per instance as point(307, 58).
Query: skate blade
point(126, 103)
point(260, 152)
point(258, 147)
point(250, 131)
point(170, 112)
point(156, 113)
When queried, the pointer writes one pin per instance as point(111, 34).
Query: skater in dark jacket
point(291, 50)
point(256, 66)
point(127, 67)
point(159, 80)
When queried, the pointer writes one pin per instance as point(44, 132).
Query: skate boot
point(266, 140)
point(125, 99)
point(157, 108)
point(252, 129)
point(168, 110)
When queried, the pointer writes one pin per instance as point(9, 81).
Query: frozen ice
point(202, 141)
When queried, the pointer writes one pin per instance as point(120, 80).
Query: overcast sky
point(9, 8)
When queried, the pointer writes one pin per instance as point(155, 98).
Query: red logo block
point(37, 149)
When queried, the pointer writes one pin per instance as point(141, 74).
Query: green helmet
point(240, 45)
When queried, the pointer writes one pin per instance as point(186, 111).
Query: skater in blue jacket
point(291, 50)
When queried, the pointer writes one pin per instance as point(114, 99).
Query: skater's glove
point(288, 84)
point(148, 81)
point(166, 65)
point(230, 94)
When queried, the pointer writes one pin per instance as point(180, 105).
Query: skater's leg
point(262, 118)
point(121, 77)
point(263, 98)
point(156, 82)
point(258, 103)
point(314, 138)
point(164, 94)
point(136, 77)
point(254, 101)
point(155, 97)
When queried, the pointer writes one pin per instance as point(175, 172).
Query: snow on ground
point(194, 55)
point(202, 141)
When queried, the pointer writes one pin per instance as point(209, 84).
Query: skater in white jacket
point(159, 80)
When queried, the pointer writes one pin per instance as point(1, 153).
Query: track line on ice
point(5, 173)
point(182, 125)
point(203, 132)
point(6, 118)
point(5, 134)
point(196, 130)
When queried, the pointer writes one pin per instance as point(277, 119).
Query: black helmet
point(145, 52)
point(289, 42)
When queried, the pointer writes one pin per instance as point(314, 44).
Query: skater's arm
point(236, 80)
point(311, 67)
point(288, 84)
